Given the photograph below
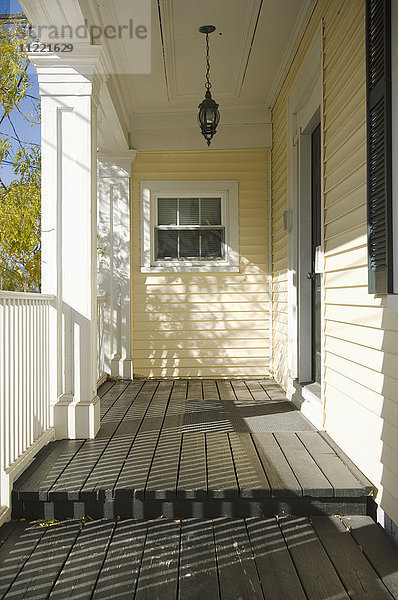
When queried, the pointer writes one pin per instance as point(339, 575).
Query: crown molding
point(233, 115)
point(111, 133)
point(71, 74)
point(115, 164)
point(295, 39)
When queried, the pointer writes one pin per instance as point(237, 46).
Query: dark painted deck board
point(136, 468)
point(257, 391)
point(158, 576)
point(119, 574)
point(193, 559)
point(192, 475)
point(377, 548)
point(39, 574)
point(315, 570)
point(236, 567)
point(210, 391)
point(309, 475)
point(251, 477)
point(107, 469)
point(186, 440)
point(198, 576)
point(84, 562)
point(18, 555)
point(279, 472)
point(221, 477)
point(349, 562)
point(272, 559)
point(111, 396)
point(225, 390)
point(162, 480)
point(343, 481)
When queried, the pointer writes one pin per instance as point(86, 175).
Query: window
point(189, 226)
point(186, 229)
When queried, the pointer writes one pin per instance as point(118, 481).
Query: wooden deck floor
point(323, 558)
point(192, 449)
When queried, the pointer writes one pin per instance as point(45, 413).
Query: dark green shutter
point(379, 174)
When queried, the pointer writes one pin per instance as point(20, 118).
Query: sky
point(25, 131)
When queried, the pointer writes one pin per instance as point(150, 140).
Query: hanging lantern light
point(209, 116)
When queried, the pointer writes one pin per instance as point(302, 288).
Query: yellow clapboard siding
point(352, 76)
point(190, 278)
point(346, 240)
point(205, 324)
point(197, 372)
point(347, 148)
point(378, 382)
point(187, 298)
point(377, 360)
point(344, 205)
point(371, 316)
point(347, 221)
point(372, 423)
point(347, 260)
point(361, 334)
point(356, 296)
point(205, 334)
point(197, 288)
point(345, 166)
point(210, 343)
point(334, 137)
point(187, 316)
point(199, 307)
point(199, 353)
point(365, 336)
point(201, 362)
point(187, 326)
point(347, 278)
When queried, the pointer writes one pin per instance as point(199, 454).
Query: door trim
point(304, 114)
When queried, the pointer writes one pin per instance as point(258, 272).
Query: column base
point(76, 420)
point(122, 368)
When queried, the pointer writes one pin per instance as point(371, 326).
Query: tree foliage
point(20, 199)
point(20, 225)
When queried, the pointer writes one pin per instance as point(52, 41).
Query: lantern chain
point(208, 84)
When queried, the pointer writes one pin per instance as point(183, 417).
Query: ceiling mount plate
point(207, 29)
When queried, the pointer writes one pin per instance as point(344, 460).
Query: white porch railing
point(25, 417)
point(101, 373)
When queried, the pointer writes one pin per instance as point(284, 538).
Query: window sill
point(191, 269)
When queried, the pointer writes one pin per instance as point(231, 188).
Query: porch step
point(184, 475)
point(278, 558)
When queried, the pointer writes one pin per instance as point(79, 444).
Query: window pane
point(210, 211)
point(189, 244)
point(167, 211)
point(189, 211)
point(212, 243)
point(166, 244)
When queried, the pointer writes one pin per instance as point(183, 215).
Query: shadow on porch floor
point(222, 559)
point(183, 449)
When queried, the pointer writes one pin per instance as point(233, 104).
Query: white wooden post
point(69, 92)
point(114, 272)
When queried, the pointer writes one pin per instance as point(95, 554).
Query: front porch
point(209, 489)
point(203, 449)
point(254, 559)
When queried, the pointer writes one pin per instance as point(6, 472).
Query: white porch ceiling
point(249, 51)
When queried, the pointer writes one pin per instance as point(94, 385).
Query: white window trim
point(226, 189)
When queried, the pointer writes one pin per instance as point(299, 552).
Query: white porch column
point(114, 271)
point(69, 88)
